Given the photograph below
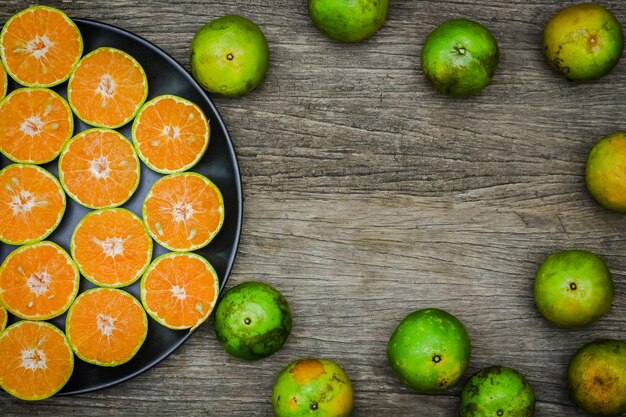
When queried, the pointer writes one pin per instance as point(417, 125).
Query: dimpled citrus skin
point(316, 387)
point(573, 288)
point(429, 350)
point(583, 41)
point(497, 391)
point(605, 173)
point(596, 377)
point(229, 56)
point(460, 57)
point(348, 20)
point(252, 321)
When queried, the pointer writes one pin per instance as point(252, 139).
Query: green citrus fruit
point(252, 321)
point(429, 350)
point(596, 377)
point(348, 20)
point(573, 288)
point(583, 41)
point(497, 391)
point(460, 57)
point(316, 387)
point(605, 173)
point(229, 56)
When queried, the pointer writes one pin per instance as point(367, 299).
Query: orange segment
point(36, 360)
point(107, 88)
point(38, 281)
point(4, 82)
point(35, 123)
point(99, 168)
point(111, 247)
point(179, 290)
point(3, 318)
point(106, 326)
point(170, 134)
point(40, 46)
point(183, 211)
point(32, 204)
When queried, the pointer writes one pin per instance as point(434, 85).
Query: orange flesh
point(171, 134)
point(41, 46)
point(31, 203)
point(112, 247)
point(36, 360)
point(34, 125)
point(106, 326)
point(99, 168)
point(38, 281)
point(3, 318)
point(3, 82)
point(180, 290)
point(107, 88)
point(184, 211)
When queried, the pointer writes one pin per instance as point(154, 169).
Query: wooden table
point(368, 195)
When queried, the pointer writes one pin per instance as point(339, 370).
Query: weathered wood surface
point(368, 195)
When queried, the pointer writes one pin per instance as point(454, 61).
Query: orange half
point(36, 360)
point(111, 247)
point(38, 281)
point(99, 168)
point(183, 212)
point(106, 326)
point(179, 290)
point(4, 82)
point(170, 134)
point(4, 317)
point(35, 123)
point(32, 204)
point(108, 88)
point(40, 46)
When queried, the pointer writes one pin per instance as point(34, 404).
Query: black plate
point(165, 76)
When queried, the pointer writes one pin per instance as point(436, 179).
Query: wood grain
point(368, 195)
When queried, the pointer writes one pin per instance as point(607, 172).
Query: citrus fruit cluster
point(100, 169)
point(430, 348)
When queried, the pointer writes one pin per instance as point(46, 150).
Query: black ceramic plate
point(165, 76)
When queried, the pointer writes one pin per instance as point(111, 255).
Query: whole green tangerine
point(583, 41)
point(596, 377)
point(252, 321)
point(605, 171)
point(348, 20)
point(497, 391)
point(460, 57)
point(229, 56)
point(429, 350)
point(573, 288)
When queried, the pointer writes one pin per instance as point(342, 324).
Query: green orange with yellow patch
point(40, 46)
point(38, 281)
point(605, 172)
point(429, 350)
point(32, 204)
point(35, 123)
point(596, 377)
point(312, 386)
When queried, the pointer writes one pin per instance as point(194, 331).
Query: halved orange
point(99, 168)
point(38, 281)
point(179, 290)
point(36, 360)
point(4, 82)
point(108, 88)
point(170, 134)
point(40, 46)
point(111, 247)
point(183, 211)
point(106, 326)
point(32, 204)
point(4, 317)
point(35, 123)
